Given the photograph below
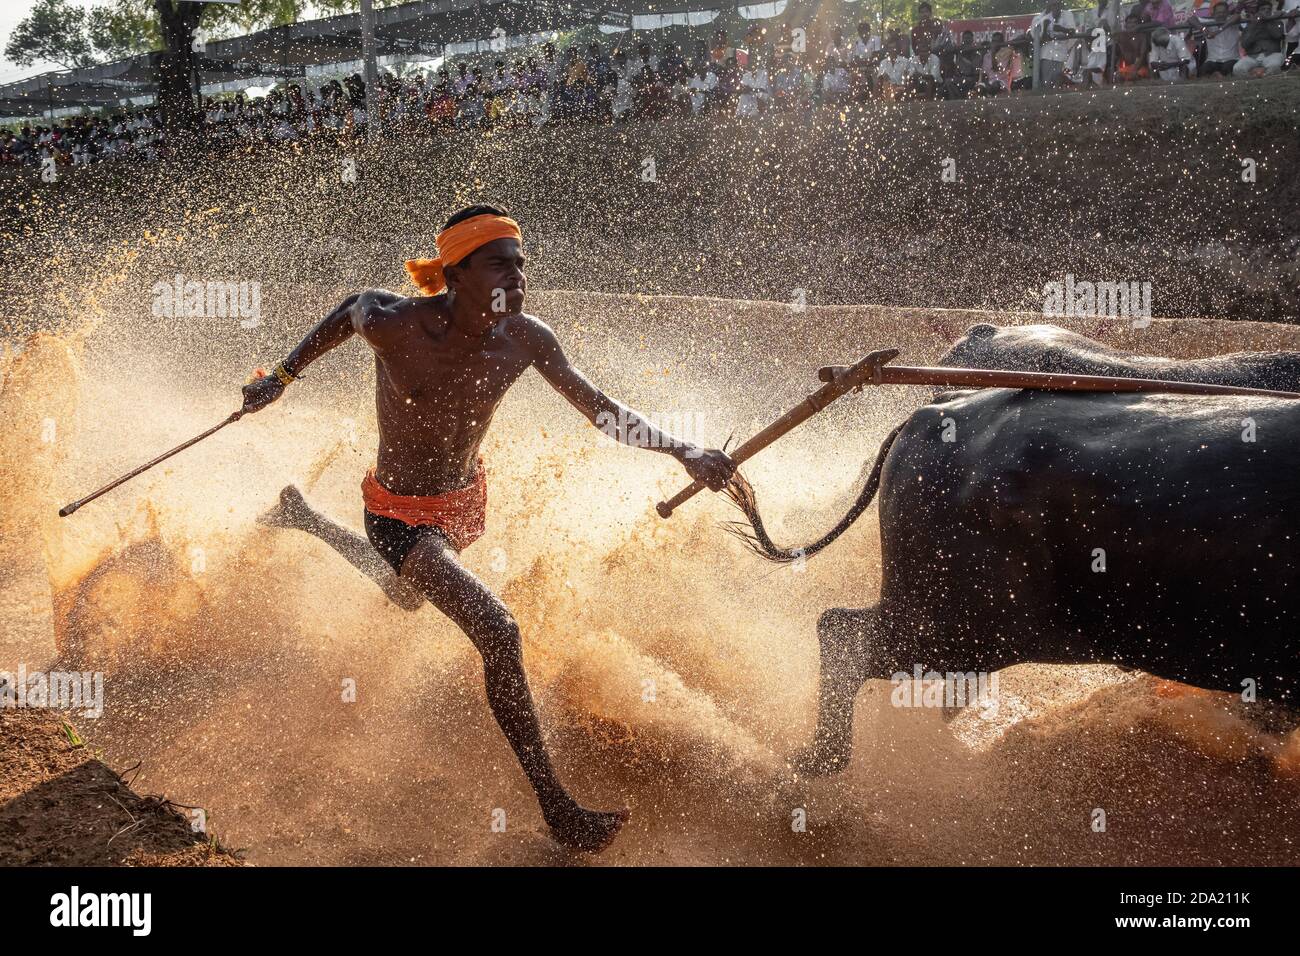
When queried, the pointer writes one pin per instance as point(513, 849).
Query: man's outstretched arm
point(617, 420)
point(346, 319)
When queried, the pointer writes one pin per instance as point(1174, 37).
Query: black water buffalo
point(1156, 532)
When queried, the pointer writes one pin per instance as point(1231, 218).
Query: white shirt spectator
point(895, 71)
point(929, 67)
point(754, 87)
point(1225, 45)
point(835, 80)
point(1292, 27)
point(869, 49)
point(1172, 56)
point(699, 87)
point(1057, 50)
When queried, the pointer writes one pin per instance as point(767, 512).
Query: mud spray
point(674, 672)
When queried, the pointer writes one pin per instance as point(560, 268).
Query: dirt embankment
point(60, 805)
point(1194, 188)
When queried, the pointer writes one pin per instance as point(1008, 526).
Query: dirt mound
point(62, 806)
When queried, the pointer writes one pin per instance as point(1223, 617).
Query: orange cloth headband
point(455, 244)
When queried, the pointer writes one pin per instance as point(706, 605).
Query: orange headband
point(455, 244)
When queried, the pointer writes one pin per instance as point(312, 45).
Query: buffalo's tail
point(754, 534)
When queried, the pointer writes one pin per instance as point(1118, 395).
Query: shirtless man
point(444, 361)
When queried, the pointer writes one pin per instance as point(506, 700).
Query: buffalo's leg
point(843, 636)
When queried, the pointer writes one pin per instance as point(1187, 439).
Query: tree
point(171, 28)
point(53, 31)
point(126, 28)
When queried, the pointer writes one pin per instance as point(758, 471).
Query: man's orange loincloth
point(461, 514)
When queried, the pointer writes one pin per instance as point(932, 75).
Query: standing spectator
point(1292, 9)
point(1156, 11)
point(1261, 42)
point(1054, 27)
point(1098, 45)
point(1222, 42)
point(927, 28)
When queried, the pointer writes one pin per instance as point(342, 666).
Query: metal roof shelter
point(425, 27)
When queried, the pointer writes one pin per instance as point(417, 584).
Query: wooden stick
point(852, 377)
point(70, 508)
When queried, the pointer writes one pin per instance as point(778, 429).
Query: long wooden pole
point(1045, 381)
point(852, 377)
point(873, 370)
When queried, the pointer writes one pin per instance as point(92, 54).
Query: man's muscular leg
point(434, 567)
point(292, 511)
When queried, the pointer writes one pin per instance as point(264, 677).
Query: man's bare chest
point(426, 374)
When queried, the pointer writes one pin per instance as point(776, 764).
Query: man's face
point(491, 283)
point(923, 11)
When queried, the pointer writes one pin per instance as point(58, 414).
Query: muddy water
point(674, 672)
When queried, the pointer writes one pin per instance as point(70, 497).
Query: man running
point(444, 361)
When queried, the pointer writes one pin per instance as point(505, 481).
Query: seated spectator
point(1222, 37)
point(1131, 48)
point(441, 107)
point(865, 55)
point(720, 50)
point(700, 58)
point(967, 61)
point(835, 81)
point(923, 72)
point(1168, 57)
point(787, 84)
point(623, 100)
point(727, 89)
point(755, 90)
point(469, 104)
point(701, 86)
point(1261, 42)
point(671, 63)
point(893, 73)
point(1001, 68)
point(679, 96)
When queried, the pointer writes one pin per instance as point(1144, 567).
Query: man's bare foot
point(588, 830)
point(291, 511)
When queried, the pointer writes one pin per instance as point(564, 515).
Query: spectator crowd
point(784, 72)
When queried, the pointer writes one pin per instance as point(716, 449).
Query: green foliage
point(55, 30)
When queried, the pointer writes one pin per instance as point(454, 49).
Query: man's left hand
point(708, 465)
